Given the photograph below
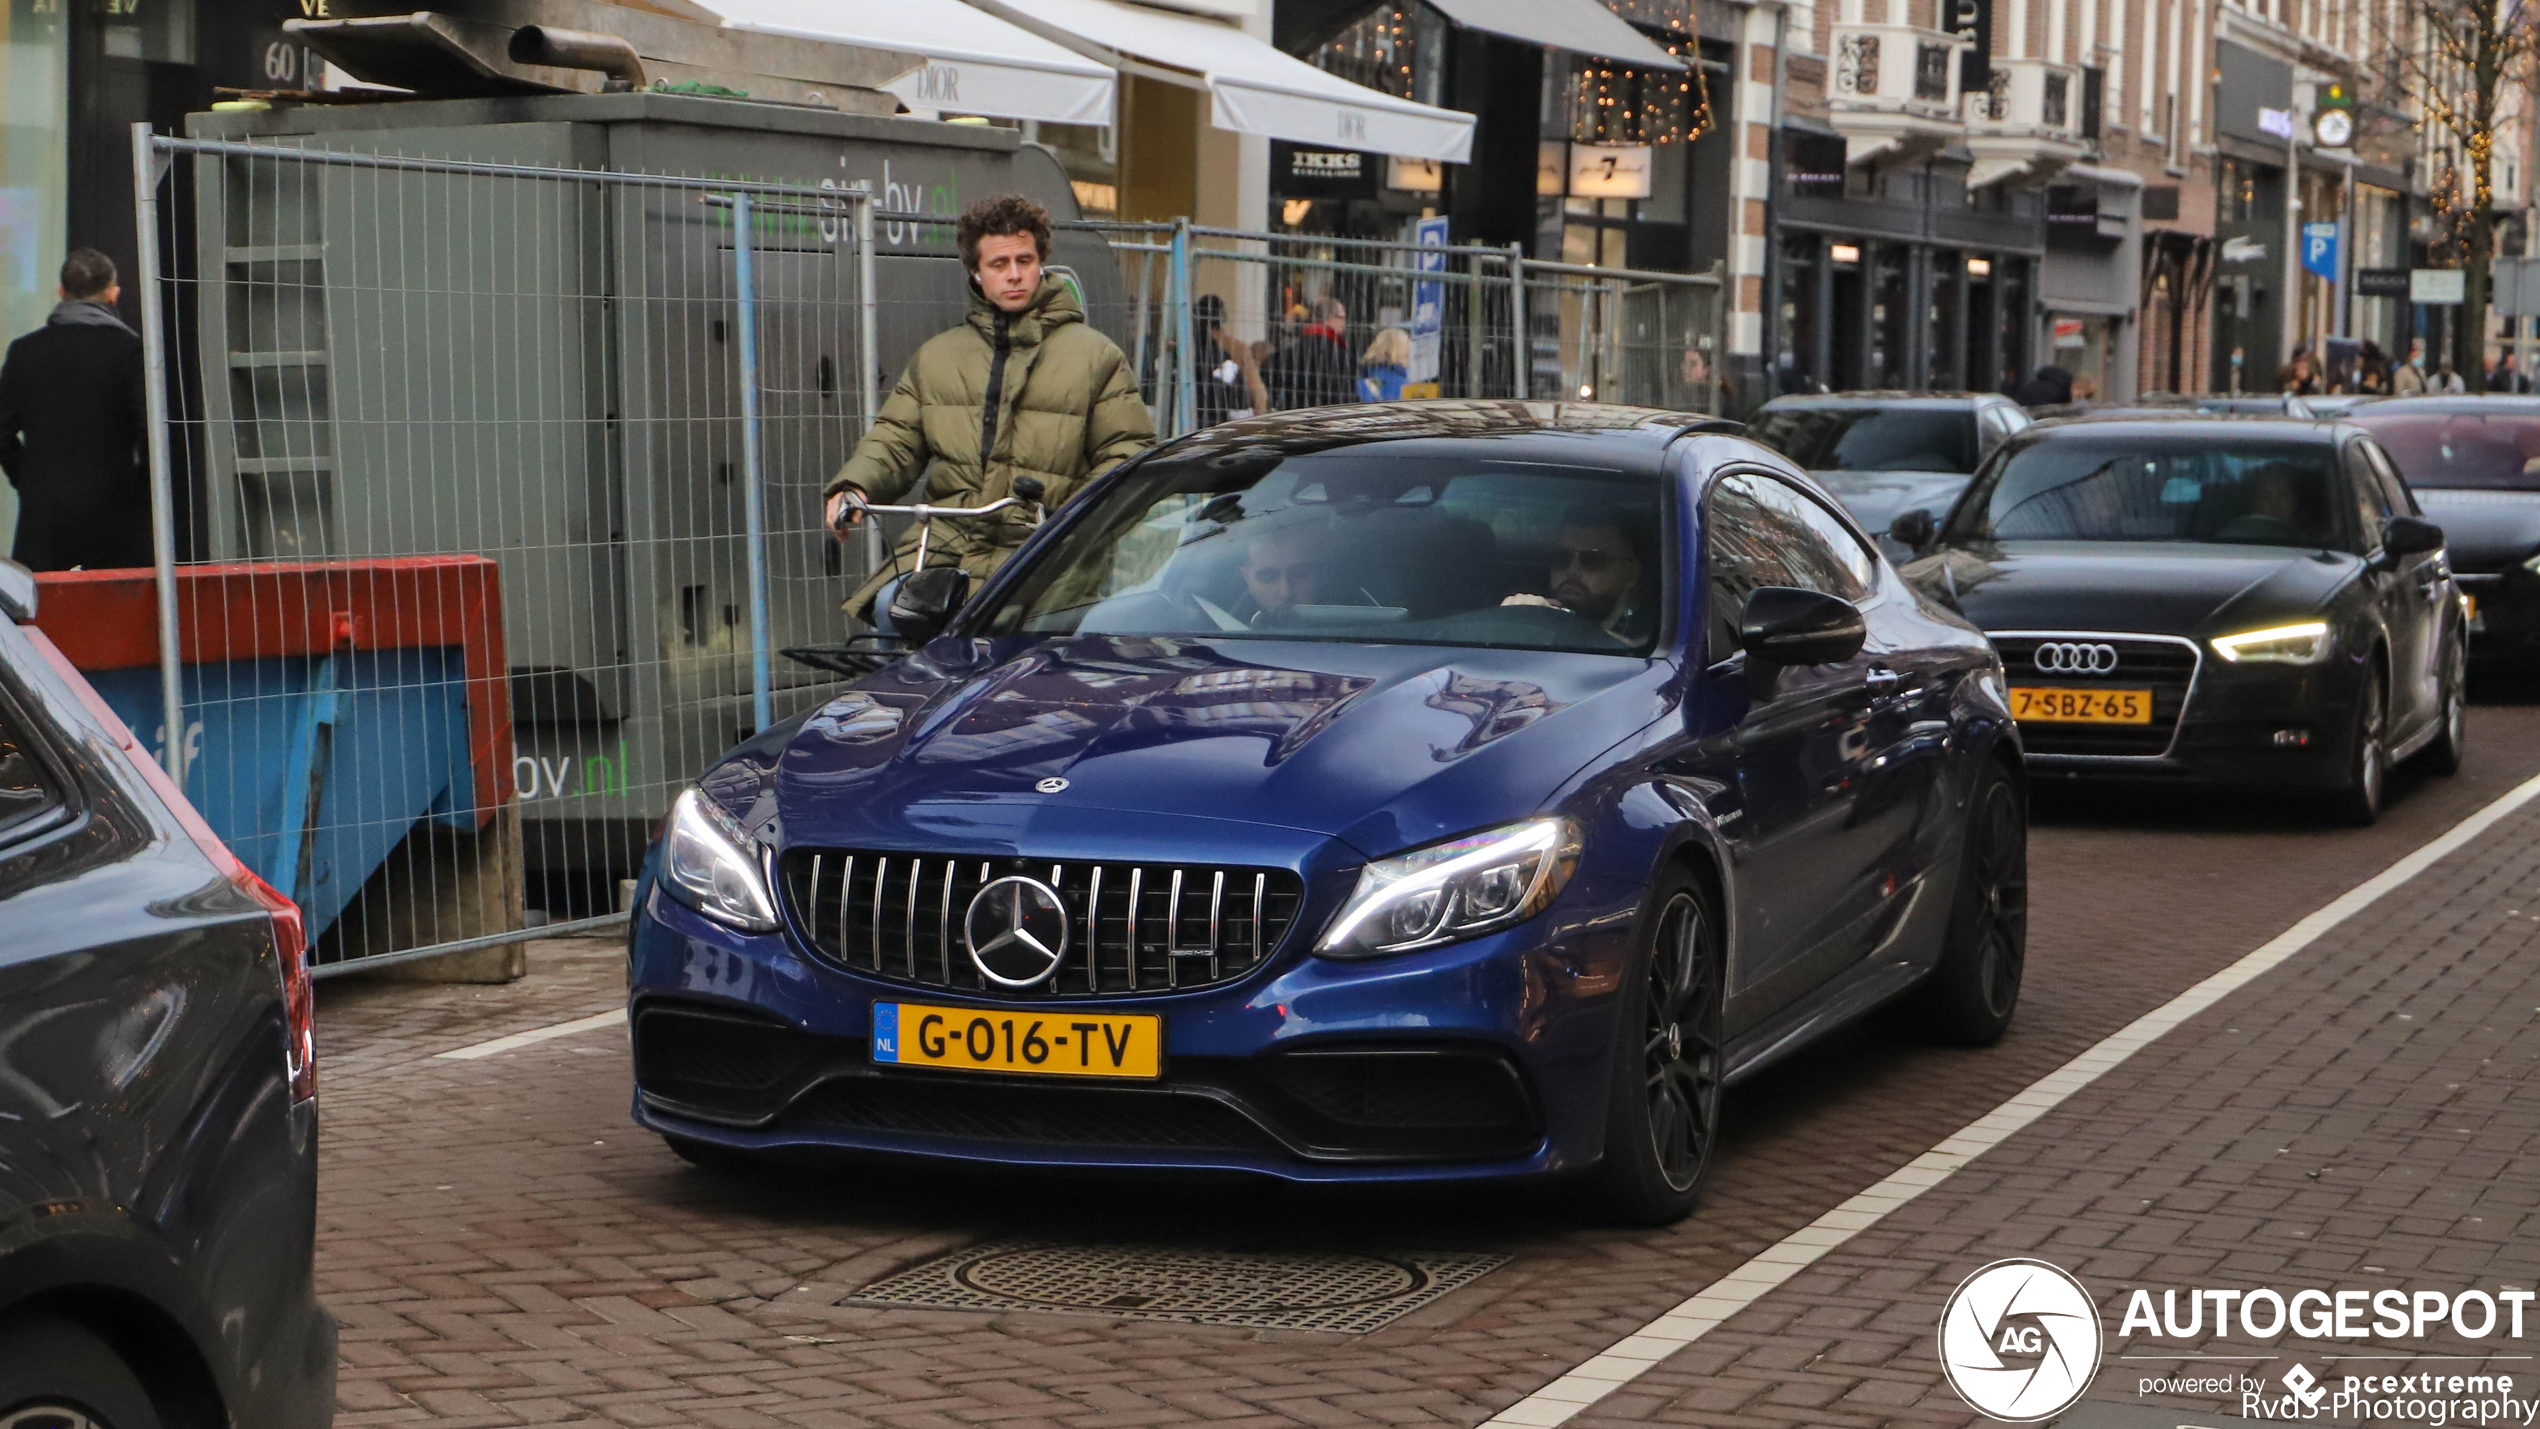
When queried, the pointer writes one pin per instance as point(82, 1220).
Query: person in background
point(2372, 370)
point(2503, 378)
point(2048, 386)
point(2409, 379)
point(1315, 370)
point(1233, 387)
point(2445, 382)
point(1385, 366)
point(2298, 376)
point(1023, 388)
point(74, 429)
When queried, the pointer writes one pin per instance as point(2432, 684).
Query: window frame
point(40, 739)
point(1875, 589)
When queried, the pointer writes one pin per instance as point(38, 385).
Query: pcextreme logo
point(2019, 1340)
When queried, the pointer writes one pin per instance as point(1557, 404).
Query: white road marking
point(1642, 1350)
point(615, 1016)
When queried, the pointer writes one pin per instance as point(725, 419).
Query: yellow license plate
point(1033, 1041)
point(2069, 706)
point(2469, 608)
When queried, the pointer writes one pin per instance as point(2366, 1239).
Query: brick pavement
point(505, 1247)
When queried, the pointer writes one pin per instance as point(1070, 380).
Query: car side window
point(1762, 532)
point(2372, 505)
point(2394, 490)
point(27, 794)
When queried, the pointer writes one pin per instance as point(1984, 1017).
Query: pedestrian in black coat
point(73, 430)
point(1318, 369)
point(2050, 386)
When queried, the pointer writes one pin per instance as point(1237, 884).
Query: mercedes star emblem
point(1017, 931)
point(1052, 785)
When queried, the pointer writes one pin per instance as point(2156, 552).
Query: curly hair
point(1004, 216)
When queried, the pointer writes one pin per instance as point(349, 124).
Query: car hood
point(1877, 498)
point(2484, 530)
point(2157, 588)
point(1384, 747)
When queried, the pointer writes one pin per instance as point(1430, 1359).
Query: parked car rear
point(158, 1088)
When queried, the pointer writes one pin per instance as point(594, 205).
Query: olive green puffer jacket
point(1038, 392)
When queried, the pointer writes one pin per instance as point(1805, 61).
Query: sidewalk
point(2365, 1116)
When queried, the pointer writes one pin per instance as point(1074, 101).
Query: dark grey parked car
point(1884, 453)
point(158, 1107)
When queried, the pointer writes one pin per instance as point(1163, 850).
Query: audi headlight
point(2302, 643)
point(713, 867)
point(1454, 890)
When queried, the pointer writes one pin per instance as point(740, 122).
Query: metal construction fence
point(488, 494)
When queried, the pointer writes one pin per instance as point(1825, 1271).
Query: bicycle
point(924, 598)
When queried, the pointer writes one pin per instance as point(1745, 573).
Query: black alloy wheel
point(1664, 1125)
point(55, 1374)
point(2451, 737)
point(2368, 763)
point(1976, 986)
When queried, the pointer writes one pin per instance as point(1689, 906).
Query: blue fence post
point(753, 491)
point(1185, 361)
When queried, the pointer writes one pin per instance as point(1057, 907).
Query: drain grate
point(1275, 1290)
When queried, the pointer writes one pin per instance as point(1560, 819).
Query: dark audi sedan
point(158, 1093)
point(2231, 599)
point(2475, 464)
point(1398, 793)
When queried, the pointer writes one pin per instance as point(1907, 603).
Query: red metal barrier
point(108, 620)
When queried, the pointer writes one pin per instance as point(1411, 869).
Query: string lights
point(1619, 104)
point(1376, 51)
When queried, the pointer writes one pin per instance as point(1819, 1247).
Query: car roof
point(1543, 429)
point(2183, 424)
point(1927, 400)
point(2515, 403)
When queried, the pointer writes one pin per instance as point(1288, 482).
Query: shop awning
point(976, 63)
point(1581, 26)
point(1253, 87)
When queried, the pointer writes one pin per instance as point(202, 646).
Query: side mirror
point(1913, 529)
point(1785, 625)
point(2411, 536)
point(926, 601)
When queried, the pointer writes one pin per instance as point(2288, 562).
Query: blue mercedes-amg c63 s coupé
point(1391, 793)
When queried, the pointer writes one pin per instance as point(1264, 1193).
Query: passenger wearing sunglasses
point(1595, 574)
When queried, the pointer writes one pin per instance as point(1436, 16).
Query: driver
point(1281, 571)
point(1595, 574)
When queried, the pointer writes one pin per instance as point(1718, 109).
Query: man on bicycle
point(1023, 388)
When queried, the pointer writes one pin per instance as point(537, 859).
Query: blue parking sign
point(2319, 248)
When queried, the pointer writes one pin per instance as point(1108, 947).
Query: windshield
point(2156, 489)
point(2437, 449)
point(1871, 438)
point(1356, 545)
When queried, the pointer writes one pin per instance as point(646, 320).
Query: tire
point(54, 1374)
point(2358, 800)
point(2451, 740)
point(1970, 996)
point(1662, 1126)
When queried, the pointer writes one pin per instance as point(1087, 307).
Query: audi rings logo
point(2020, 1340)
point(2074, 657)
point(1017, 932)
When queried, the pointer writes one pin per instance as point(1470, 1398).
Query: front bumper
point(1483, 1059)
point(2506, 622)
point(2272, 726)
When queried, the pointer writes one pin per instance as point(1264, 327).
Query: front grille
point(2165, 667)
point(1039, 1116)
point(1131, 927)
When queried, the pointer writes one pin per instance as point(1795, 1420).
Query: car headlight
point(2533, 564)
point(1454, 890)
point(713, 867)
point(2302, 643)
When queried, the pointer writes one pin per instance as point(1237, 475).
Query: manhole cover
point(1349, 1294)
